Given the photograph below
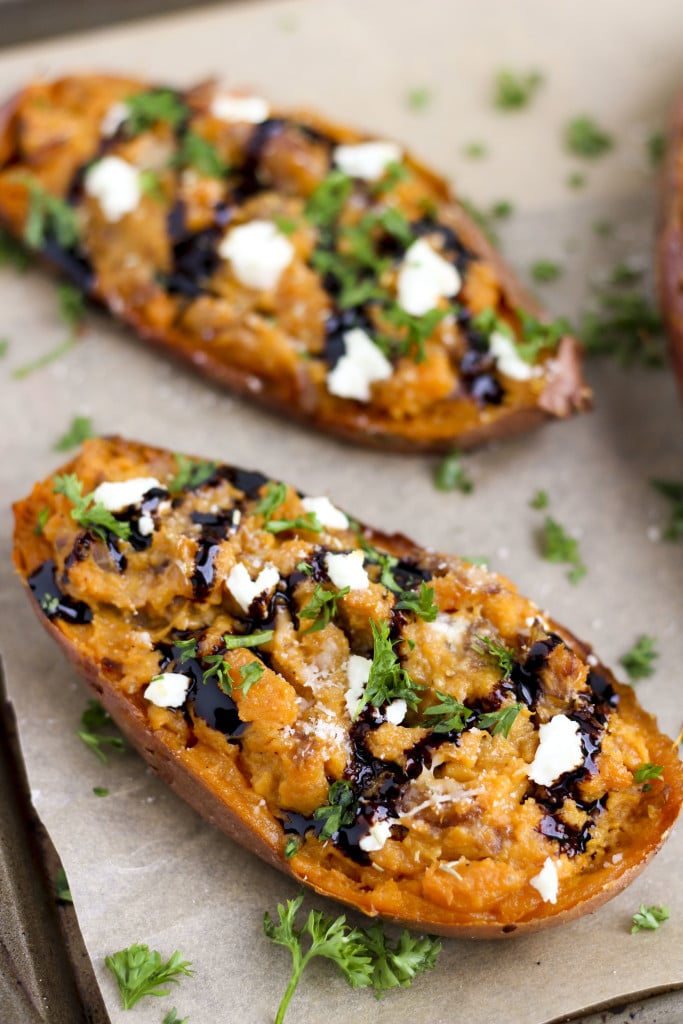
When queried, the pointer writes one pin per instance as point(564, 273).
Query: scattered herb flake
point(585, 138)
point(339, 811)
point(41, 520)
point(537, 336)
point(79, 431)
point(328, 199)
point(62, 890)
point(540, 500)
point(322, 607)
point(100, 791)
point(450, 474)
point(187, 648)
point(502, 209)
point(673, 490)
point(500, 722)
point(151, 185)
point(422, 603)
point(140, 972)
point(452, 715)
point(250, 674)
point(502, 655)
point(576, 180)
point(48, 215)
point(639, 661)
point(514, 90)
point(475, 150)
point(387, 681)
point(202, 155)
point(191, 473)
point(656, 148)
point(219, 669)
point(395, 172)
point(291, 847)
point(419, 98)
point(4, 346)
point(649, 918)
point(93, 720)
point(250, 640)
point(285, 225)
point(173, 1018)
point(558, 546)
point(88, 513)
point(647, 771)
point(625, 326)
point(545, 271)
point(146, 109)
point(12, 252)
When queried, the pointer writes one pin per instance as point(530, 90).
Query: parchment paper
point(142, 866)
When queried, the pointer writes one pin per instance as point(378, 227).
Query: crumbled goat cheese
point(168, 690)
point(366, 160)
point(145, 524)
point(116, 185)
point(508, 360)
point(559, 751)
point(376, 837)
point(396, 711)
point(357, 673)
point(328, 514)
point(424, 278)
point(258, 253)
point(249, 109)
point(362, 364)
point(347, 570)
point(120, 494)
point(546, 882)
point(244, 589)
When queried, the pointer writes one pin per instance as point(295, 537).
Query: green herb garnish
point(649, 918)
point(12, 252)
point(545, 271)
point(62, 890)
point(639, 661)
point(647, 771)
point(151, 185)
point(140, 972)
point(41, 520)
point(250, 674)
point(93, 720)
point(100, 791)
point(450, 475)
point(173, 1018)
point(187, 648)
point(538, 335)
point(322, 607)
point(385, 561)
point(418, 99)
point(422, 603)
point(500, 722)
point(673, 490)
point(250, 640)
point(285, 225)
point(4, 346)
point(656, 148)
point(453, 716)
point(202, 155)
point(291, 848)
point(502, 209)
point(387, 681)
point(475, 150)
point(624, 325)
point(218, 669)
point(394, 173)
point(558, 546)
point(540, 500)
point(88, 513)
point(149, 108)
point(584, 137)
point(49, 604)
point(268, 505)
point(339, 811)
point(48, 215)
point(79, 431)
point(190, 474)
point(513, 90)
point(327, 201)
point(576, 180)
point(501, 654)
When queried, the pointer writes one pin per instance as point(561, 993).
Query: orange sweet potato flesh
point(670, 242)
point(156, 267)
point(468, 831)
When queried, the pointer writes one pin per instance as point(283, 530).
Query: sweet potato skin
point(249, 823)
point(670, 241)
point(564, 391)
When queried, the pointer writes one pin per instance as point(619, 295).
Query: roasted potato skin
point(670, 241)
point(215, 793)
point(291, 391)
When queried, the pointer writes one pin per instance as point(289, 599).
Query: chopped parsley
point(49, 604)
point(419, 99)
point(500, 722)
point(285, 225)
point(250, 674)
point(649, 918)
point(363, 955)
point(322, 607)
point(639, 661)
point(218, 669)
point(93, 720)
point(545, 271)
point(251, 640)
point(339, 811)
point(502, 209)
point(656, 148)
point(394, 174)
point(513, 90)
point(191, 473)
point(452, 715)
point(149, 108)
point(673, 490)
point(416, 330)
point(603, 228)
point(537, 335)
point(647, 771)
point(41, 520)
point(576, 180)
point(558, 546)
point(139, 972)
point(475, 150)
point(329, 198)
point(624, 325)
point(585, 138)
point(385, 561)
point(187, 648)
point(502, 655)
point(100, 791)
point(88, 513)
point(62, 890)
point(422, 603)
point(173, 1018)
point(151, 184)
point(450, 474)
point(202, 155)
point(48, 215)
point(275, 496)
point(291, 847)
point(540, 500)
point(79, 431)
point(387, 681)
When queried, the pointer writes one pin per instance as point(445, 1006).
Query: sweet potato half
point(670, 242)
point(329, 276)
point(398, 729)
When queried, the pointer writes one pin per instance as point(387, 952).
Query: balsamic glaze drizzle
point(54, 603)
point(206, 699)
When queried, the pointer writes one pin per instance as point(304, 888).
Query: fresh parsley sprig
point(451, 475)
point(273, 499)
point(88, 513)
point(148, 108)
point(514, 91)
point(649, 918)
point(62, 889)
point(387, 680)
point(79, 431)
point(558, 546)
point(384, 560)
point(93, 720)
point(584, 137)
point(140, 971)
point(173, 1018)
point(364, 956)
point(452, 715)
point(322, 607)
point(647, 771)
point(502, 655)
point(190, 474)
point(48, 215)
point(422, 603)
point(340, 810)
point(639, 660)
point(499, 722)
point(197, 152)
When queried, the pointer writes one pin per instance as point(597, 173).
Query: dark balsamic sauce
point(195, 260)
point(54, 603)
point(215, 527)
point(525, 680)
point(206, 699)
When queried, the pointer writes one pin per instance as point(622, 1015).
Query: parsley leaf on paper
point(173, 1018)
point(558, 546)
point(584, 137)
point(140, 971)
point(88, 513)
point(451, 475)
point(62, 890)
point(191, 473)
point(364, 956)
point(79, 431)
point(514, 90)
point(639, 660)
point(93, 720)
point(649, 918)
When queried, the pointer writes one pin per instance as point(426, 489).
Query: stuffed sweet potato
point(670, 242)
point(398, 729)
point(327, 275)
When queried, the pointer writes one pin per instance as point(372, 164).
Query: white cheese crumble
point(168, 690)
point(120, 494)
point(116, 185)
point(396, 711)
point(258, 253)
point(376, 837)
point(508, 360)
point(546, 882)
point(113, 119)
point(328, 514)
point(249, 109)
point(366, 160)
point(347, 570)
point(424, 278)
point(559, 751)
point(146, 524)
point(362, 364)
point(244, 589)
point(452, 628)
point(357, 673)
